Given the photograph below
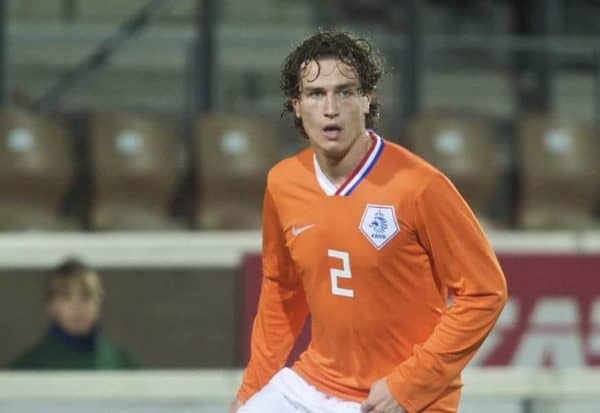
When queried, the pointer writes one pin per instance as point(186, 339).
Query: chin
point(335, 150)
point(331, 147)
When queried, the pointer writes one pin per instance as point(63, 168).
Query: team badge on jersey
point(379, 224)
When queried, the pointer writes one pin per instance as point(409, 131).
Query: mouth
point(332, 131)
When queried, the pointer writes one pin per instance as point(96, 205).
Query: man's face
point(75, 310)
point(330, 106)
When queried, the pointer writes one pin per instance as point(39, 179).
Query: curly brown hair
point(354, 51)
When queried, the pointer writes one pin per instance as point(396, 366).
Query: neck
point(82, 342)
point(338, 168)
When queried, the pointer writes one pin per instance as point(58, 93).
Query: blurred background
point(136, 134)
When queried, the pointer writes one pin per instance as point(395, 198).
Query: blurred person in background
point(368, 239)
point(73, 295)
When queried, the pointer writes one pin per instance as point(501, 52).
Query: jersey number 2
point(336, 273)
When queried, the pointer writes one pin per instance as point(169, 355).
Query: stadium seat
point(135, 165)
point(464, 149)
point(234, 154)
point(559, 173)
point(36, 169)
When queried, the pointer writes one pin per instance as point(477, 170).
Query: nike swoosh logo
point(299, 230)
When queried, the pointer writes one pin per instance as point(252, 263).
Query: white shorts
point(287, 392)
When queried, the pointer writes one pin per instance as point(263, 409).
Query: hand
point(380, 400)
point(235, 404)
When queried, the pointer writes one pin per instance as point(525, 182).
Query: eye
point(346, 93)
point(316, 93)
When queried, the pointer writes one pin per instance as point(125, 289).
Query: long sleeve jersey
point(373, 261)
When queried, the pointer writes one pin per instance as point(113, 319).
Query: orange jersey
point(372, 262)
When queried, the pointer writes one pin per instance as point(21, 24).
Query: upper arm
point(447, 228)
point(276, 261)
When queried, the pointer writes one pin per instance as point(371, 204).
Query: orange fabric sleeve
point(463, 260)
point(282, 308)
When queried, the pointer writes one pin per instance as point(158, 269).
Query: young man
point(368, 238)
point(73, 295)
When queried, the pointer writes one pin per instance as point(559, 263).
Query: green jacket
point(53, 353)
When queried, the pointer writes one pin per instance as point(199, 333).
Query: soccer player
point(368, 239)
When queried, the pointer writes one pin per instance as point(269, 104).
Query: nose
point(331, 106)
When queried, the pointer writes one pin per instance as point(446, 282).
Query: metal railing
point(493, 390)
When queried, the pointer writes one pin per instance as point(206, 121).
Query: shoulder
point(409, 168)
point(34, 356)
point(107, 344)
point(405, 158)
point(25, 360)
point(120, 357)
point(289, 170)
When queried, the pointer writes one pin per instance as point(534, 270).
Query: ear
point(296, 105)
point(367, 103)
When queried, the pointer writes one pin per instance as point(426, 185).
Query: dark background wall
point(167, 318)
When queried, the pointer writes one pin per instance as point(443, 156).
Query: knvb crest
point(379, 224)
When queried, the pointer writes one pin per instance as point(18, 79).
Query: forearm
point(281, 314)
point(435, 364)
